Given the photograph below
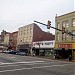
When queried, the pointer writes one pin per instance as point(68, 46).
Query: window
point(73, 22)
point(63, 36)
point(0, 38)
point(73, 37)
point(67, 36)
point(27, 39)
point(30, 30)
point(24, 39)
point(24, 32)
point(21, 32)
point(58, 25)
point(65, 24)
point(57, 38)
point(21, 41)
point(27, 31)
point(30, 38)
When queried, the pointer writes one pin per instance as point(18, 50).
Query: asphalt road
point(26, 65)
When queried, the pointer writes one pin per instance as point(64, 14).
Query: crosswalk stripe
point(22, 62)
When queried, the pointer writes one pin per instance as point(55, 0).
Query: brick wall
point(39, 35)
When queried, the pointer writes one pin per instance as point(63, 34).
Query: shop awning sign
point(65, 45)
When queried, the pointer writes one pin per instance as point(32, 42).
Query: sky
point(18, 13)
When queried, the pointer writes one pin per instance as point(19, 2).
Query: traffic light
point(49, 24)
point(63, 30)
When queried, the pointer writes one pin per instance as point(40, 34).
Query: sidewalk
point(44, 57)
point(73, 60)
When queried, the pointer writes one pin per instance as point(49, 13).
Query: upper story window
point(73, 37)
point(27, 31)
point(21, 32)
point(64, 36)
point(24, 39)
point(30, 38)
point(65, 24)
point(58, 25)
point(57, 36)
point(0, 38)
point(30, 30)
point(73, 22)
point(24, 32)
point(20, 40)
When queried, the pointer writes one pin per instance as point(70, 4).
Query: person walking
point(70, 57)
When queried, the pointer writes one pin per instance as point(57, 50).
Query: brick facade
point(39, 35)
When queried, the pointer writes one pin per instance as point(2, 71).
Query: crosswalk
point(27, 65)
point(31, 62)
point(25, 62)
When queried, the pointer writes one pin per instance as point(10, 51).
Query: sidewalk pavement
point(44, 57)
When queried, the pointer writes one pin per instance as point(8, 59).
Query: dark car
point(13, 52)
point(21, 53)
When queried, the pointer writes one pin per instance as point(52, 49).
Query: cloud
point(16, 13)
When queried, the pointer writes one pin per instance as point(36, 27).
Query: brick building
point(39, 35)
point(10, 40)
point(3, 33)
point(0, 39)
point(32, 33)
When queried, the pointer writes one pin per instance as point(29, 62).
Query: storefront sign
point(65, 45)
point(44, 44)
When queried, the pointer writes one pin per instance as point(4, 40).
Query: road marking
point(22, 62)
point(32, 68)
point(11, 57)
point(1, 62)
point(26, 64)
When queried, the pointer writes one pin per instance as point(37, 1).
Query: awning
point(57, 49)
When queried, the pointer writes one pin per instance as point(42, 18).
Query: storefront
point(43, 48)
point(24, 48)
point(66, 49)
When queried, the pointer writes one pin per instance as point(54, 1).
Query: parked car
point(13, 52)
point(0, 51)
point(7, 51)
point(21, 53)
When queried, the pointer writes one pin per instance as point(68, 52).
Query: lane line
point(0, 62)
point(22, 62)
point(27, 64)
point(32, 68)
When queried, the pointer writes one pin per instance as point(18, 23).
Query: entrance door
point(37, 52)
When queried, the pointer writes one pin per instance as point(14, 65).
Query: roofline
point(15, 32)
point(65, 14)
point(27, 25)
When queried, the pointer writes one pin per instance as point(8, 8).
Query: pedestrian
point(54, 56)
point(70, 57)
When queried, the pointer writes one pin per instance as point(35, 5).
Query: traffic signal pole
point(55, 28)
point(47, 25)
